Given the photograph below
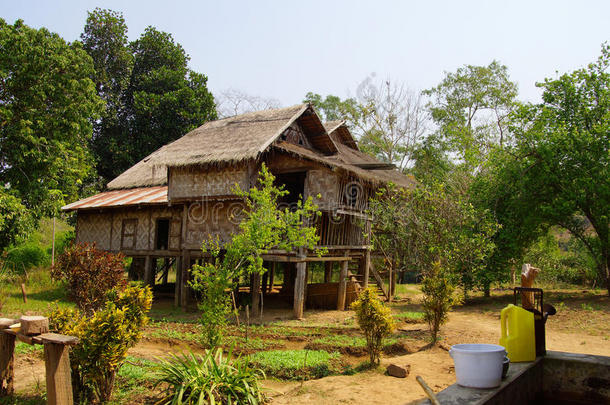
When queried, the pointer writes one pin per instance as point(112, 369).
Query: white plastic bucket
point(478, 365)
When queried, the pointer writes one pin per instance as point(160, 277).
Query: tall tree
point(151, 95)
point(470, 108)
point(105, 40)
point(47, 100)
point(563, 146)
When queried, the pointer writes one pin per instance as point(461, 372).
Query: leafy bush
point(296, 364)
point(90, 273)
point(105, 336)
point(438, 299)
point(209, 379)
point(375, 320)
point(23, 257)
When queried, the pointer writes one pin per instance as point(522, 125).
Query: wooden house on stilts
point(159, 211)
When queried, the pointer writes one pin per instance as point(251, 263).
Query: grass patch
point(409, 317)
point(297, 364)
point(134, 379)
point(26, 349)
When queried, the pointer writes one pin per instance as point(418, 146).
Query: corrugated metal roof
point(121, 198)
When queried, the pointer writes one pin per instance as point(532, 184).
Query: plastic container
point(478, 365)
point(518, 337)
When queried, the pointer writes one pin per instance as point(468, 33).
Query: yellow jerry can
point(517, 325)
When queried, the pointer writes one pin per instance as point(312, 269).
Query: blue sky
point(283, 49)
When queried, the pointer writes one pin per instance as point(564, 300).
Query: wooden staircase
point(375, 279)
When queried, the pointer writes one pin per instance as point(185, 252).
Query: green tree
point(332, 108)
point(152, 97)
point(47, 101)
point(16, 222)
point(563, 152)
point(419, 227)
point(471, 108)
point(105, 40)
point(375, 320)
point(165, 99)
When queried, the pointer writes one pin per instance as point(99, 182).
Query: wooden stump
point(34, 325)
point(342, 286)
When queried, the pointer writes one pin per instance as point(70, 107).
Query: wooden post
point(148, 276)
point(166, 271)
point(390, 277)
point(255, 289)
point(264, 287)
point(186, 264)
point(367, 256)
point(342, 290)
point(178, 286)
point(7, 350)
point(271, 276)
point(367, 268)
point(328, 271)
point(59, 381)
point(299, 286)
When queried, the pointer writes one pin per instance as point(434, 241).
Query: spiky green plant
point(209, 379)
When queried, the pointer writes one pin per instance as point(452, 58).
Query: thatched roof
point(245, 137)
point(226, 141)
point(337, 162)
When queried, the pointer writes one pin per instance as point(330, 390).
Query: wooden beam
point(299, 290)
point(294, 259)
point(149, 276)
point(342, 290)
point(59, 380)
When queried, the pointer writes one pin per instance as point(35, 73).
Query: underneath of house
point(161, 210)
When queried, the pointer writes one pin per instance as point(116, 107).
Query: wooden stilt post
point(7, 348)
point(59, 381)
point(367, 256)
point(178, 286)
point(271, 276)
point(186, 265)
point(342, 290)
point(255, 294)
point(328, 271)
point(166, 271)
point(367, 269)
point(265, 282)
point(149, 276)
point(299, 290)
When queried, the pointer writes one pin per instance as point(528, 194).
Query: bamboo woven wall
point(325, 184)
point(96, 227)
point(202, 182)
point(218, 219)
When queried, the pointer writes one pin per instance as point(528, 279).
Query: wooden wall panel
point(197, 183)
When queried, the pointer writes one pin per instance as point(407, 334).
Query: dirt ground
point(582, 326)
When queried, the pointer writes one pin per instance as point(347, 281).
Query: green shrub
point(21, 258)
point(375, 321)
point(296, 364)
point(89, 273)
point(209, 379)
point(438, 299)
point(105, 336)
